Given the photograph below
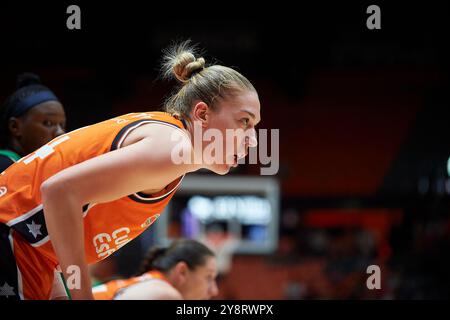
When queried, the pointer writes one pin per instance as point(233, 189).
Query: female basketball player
point(87, 193)
point(185, 270)
point(30, 117)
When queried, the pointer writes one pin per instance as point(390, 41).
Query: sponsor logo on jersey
point(105, 244)
point(149, 221)
point(3, 191)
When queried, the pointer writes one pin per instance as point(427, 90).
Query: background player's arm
point(143, 165)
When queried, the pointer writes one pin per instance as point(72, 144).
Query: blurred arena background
point(364, 135)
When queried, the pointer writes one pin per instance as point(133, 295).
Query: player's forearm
point(63, 216)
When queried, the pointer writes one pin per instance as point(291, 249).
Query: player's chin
point(221, 169)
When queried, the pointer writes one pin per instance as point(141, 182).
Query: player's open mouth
point(236, 158)
point(235, 161)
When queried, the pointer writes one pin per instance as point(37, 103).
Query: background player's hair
point(198, 81)
point(27, 85)
point(192, 252)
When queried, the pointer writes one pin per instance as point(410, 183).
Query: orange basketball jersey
point(107, 226)
point(109, 290)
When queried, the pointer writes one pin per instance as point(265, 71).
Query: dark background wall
point(355, 99)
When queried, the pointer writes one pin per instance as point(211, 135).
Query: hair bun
point(27, 79)
point(186, 64)
point(179, 61)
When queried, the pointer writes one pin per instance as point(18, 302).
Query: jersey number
point(45, 150)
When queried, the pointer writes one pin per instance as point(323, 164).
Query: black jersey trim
point(124, 130)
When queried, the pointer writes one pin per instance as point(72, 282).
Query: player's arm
point(150, 290)
point(146, 164)
point(58, 289)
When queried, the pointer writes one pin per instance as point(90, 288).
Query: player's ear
point(182, 270)
point(200, 113)
point(15, 127)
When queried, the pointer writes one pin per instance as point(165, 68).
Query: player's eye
point(48, 123)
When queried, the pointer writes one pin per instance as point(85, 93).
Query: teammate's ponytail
point(153, 254)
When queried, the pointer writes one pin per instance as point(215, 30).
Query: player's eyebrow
point(251, 115)
point(51, 114)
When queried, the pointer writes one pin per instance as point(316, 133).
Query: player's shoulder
point(159, 289)
point(5, 162)
point(150, 289)
point(164, 134)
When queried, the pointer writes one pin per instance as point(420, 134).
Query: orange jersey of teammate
point(109, 290)
point(107, 226)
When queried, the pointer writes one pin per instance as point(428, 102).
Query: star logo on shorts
point(6, 290)
point(34, 229)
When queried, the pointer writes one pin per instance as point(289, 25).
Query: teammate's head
point(31, 116)
point(188, 265)
point(215, 97)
